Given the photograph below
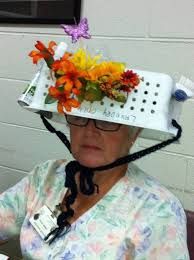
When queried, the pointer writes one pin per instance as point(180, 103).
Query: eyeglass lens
point(100, 124)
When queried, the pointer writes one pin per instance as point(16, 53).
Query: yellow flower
point(83, 60)
point(107, 71)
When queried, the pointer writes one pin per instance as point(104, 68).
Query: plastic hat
point(150, 104)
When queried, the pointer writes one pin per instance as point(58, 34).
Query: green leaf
point(93, 92)
point(80, 98)
point(92, 85)
point(93, 95)
point(110, 198)
point(101, 207)
point(61, 88)
point(83, 81)
point(81, 95)
point(121, 98)
point(49, 99)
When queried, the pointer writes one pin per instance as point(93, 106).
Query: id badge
point(44, 221)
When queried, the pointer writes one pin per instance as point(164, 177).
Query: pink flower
point(92, 227)
point(96, 247)
point(114, 239)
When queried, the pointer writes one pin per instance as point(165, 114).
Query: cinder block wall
point(154, 35)
point(151, 35)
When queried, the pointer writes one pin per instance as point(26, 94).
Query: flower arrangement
point(81, 76)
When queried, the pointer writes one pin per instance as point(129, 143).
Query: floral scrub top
point(137, 215)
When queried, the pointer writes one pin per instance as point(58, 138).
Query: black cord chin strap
point(132, 157)
point(51, 129)
point(86, 184)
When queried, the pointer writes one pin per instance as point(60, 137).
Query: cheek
point(125, 140)
point(75, 138)
point(118, 145)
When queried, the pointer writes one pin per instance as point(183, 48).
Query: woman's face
point(93, 147)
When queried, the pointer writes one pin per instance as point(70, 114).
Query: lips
point(91, 147)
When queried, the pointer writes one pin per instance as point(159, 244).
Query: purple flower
point(177, 209)
point(68, 256)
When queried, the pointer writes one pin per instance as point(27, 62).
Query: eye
point(76, 118)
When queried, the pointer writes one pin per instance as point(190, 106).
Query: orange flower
point(71, 75)
point(69, 103)
point(66, 85)
point(43, 52)
point(56, 93)
point(61, 66)
point(69, 81)
point(64, 99)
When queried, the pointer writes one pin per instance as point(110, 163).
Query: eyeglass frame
point(95, 123)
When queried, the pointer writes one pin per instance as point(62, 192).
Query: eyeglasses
point(99, 124)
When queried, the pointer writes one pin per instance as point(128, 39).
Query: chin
point(91, 162)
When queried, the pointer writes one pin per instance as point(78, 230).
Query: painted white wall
point(151, 35)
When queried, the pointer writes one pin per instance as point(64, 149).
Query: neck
point(106, 179)
point(110, 176)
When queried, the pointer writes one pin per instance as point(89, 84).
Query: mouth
point(91, 147)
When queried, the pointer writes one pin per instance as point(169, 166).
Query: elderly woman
point(109, 208)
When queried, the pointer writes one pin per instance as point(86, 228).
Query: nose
point(90, 126)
